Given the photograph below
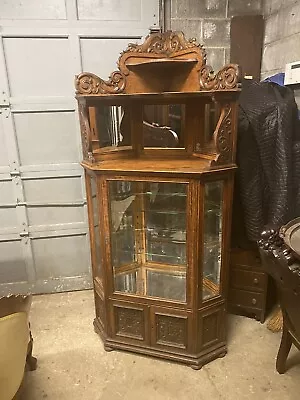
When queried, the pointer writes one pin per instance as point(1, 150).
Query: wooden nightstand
point(251, 290)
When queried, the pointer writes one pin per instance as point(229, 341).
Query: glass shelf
point(152, 281)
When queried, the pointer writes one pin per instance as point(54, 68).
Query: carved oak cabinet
point(158, 143)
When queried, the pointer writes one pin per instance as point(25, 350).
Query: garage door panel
point(53, 215)
point(8, 219)
point(46, 66)
point(32, 9)
point(92, 51)
point(46, 137)
point(109, 10)
point(53, 190)
point(3, 148)
point(43, 212)
point(61, 256)
point(12, 265)
point(7, 195)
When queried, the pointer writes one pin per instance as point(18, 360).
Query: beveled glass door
point(212, 239)
point(148, 236)
point(95, 229)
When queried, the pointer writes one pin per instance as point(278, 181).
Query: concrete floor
point(73, 365)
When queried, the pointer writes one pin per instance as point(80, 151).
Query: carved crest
point(166, 44)
point(160, 47)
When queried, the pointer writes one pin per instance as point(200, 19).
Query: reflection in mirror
point(126, 282)
point(106, 125)
point(148, 238)
point(163, 126)
point(95, 214)
point(205, 142)
point(166, 286)
point(122, 224)
point(213, 208)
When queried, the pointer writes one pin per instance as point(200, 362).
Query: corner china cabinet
point(159, 143)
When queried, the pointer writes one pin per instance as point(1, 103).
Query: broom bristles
point(276, 321)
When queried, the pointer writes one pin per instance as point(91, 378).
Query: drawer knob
point(255, 281)
point(254, 301)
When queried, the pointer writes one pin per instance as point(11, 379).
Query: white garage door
point(43, 220)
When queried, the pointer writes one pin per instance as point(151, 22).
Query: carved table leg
point(284, 349)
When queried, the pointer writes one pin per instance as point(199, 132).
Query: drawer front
point(248, 280)
point(250, 258)
point(246, 299)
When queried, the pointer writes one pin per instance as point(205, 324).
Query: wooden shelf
point(149, 98)
point(191, 166)
point(162, 62)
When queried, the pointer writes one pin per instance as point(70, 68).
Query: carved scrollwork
point(88, 83)
point(222, 136)
point(159, 45)
point(272, 242)
point(164, 43)
point(227, 78)
point(85, 134)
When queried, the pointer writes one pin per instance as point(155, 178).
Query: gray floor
point(73, 365)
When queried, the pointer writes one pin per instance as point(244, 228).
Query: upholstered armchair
point(15, 345)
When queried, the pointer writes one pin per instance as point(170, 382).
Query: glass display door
point(212, 239)
point(148, 228)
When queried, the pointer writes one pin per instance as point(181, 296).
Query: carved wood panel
point(85, 132)
point(129, 322)
point(100, 311)
point(222, 135)
point(212, 326)
point(170, 330)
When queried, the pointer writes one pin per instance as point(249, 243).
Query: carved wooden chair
point(280, 263)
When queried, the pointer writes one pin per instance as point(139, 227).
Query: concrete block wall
point(209, 22)
point(282, 35)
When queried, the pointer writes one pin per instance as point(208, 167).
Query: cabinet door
point(148, 238)
point(129, 322)
point(171, 329)
point(212, 238)
point(94, 221)
point(212, 327)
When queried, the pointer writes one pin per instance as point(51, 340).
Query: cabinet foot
point(223, 354)
point(108, 348)
point(196, 367)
